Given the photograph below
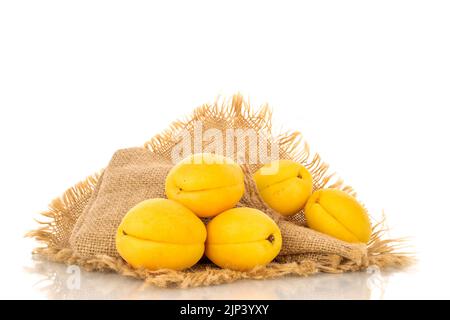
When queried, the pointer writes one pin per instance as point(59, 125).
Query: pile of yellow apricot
point(169, 234)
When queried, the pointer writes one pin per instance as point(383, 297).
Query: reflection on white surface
point(58, 281)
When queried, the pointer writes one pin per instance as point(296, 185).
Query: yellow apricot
point(242, 238)
point(336, 213)
point(206, 183)
point(284, 185)
point(159, 234)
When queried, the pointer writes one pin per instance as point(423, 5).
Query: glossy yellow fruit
point(160, 234)
point(242, 238)
point(338, 214)
point(206, 183)
point(284, 185)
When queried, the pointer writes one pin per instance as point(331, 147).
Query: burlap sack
point(84, 220)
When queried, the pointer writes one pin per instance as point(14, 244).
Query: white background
point(368, 84)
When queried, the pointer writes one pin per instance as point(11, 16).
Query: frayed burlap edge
point(383, 253)
point(292, 143)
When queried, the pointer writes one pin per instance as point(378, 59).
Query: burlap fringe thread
point(383, 253)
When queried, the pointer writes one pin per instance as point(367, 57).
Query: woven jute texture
point(81, 224)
